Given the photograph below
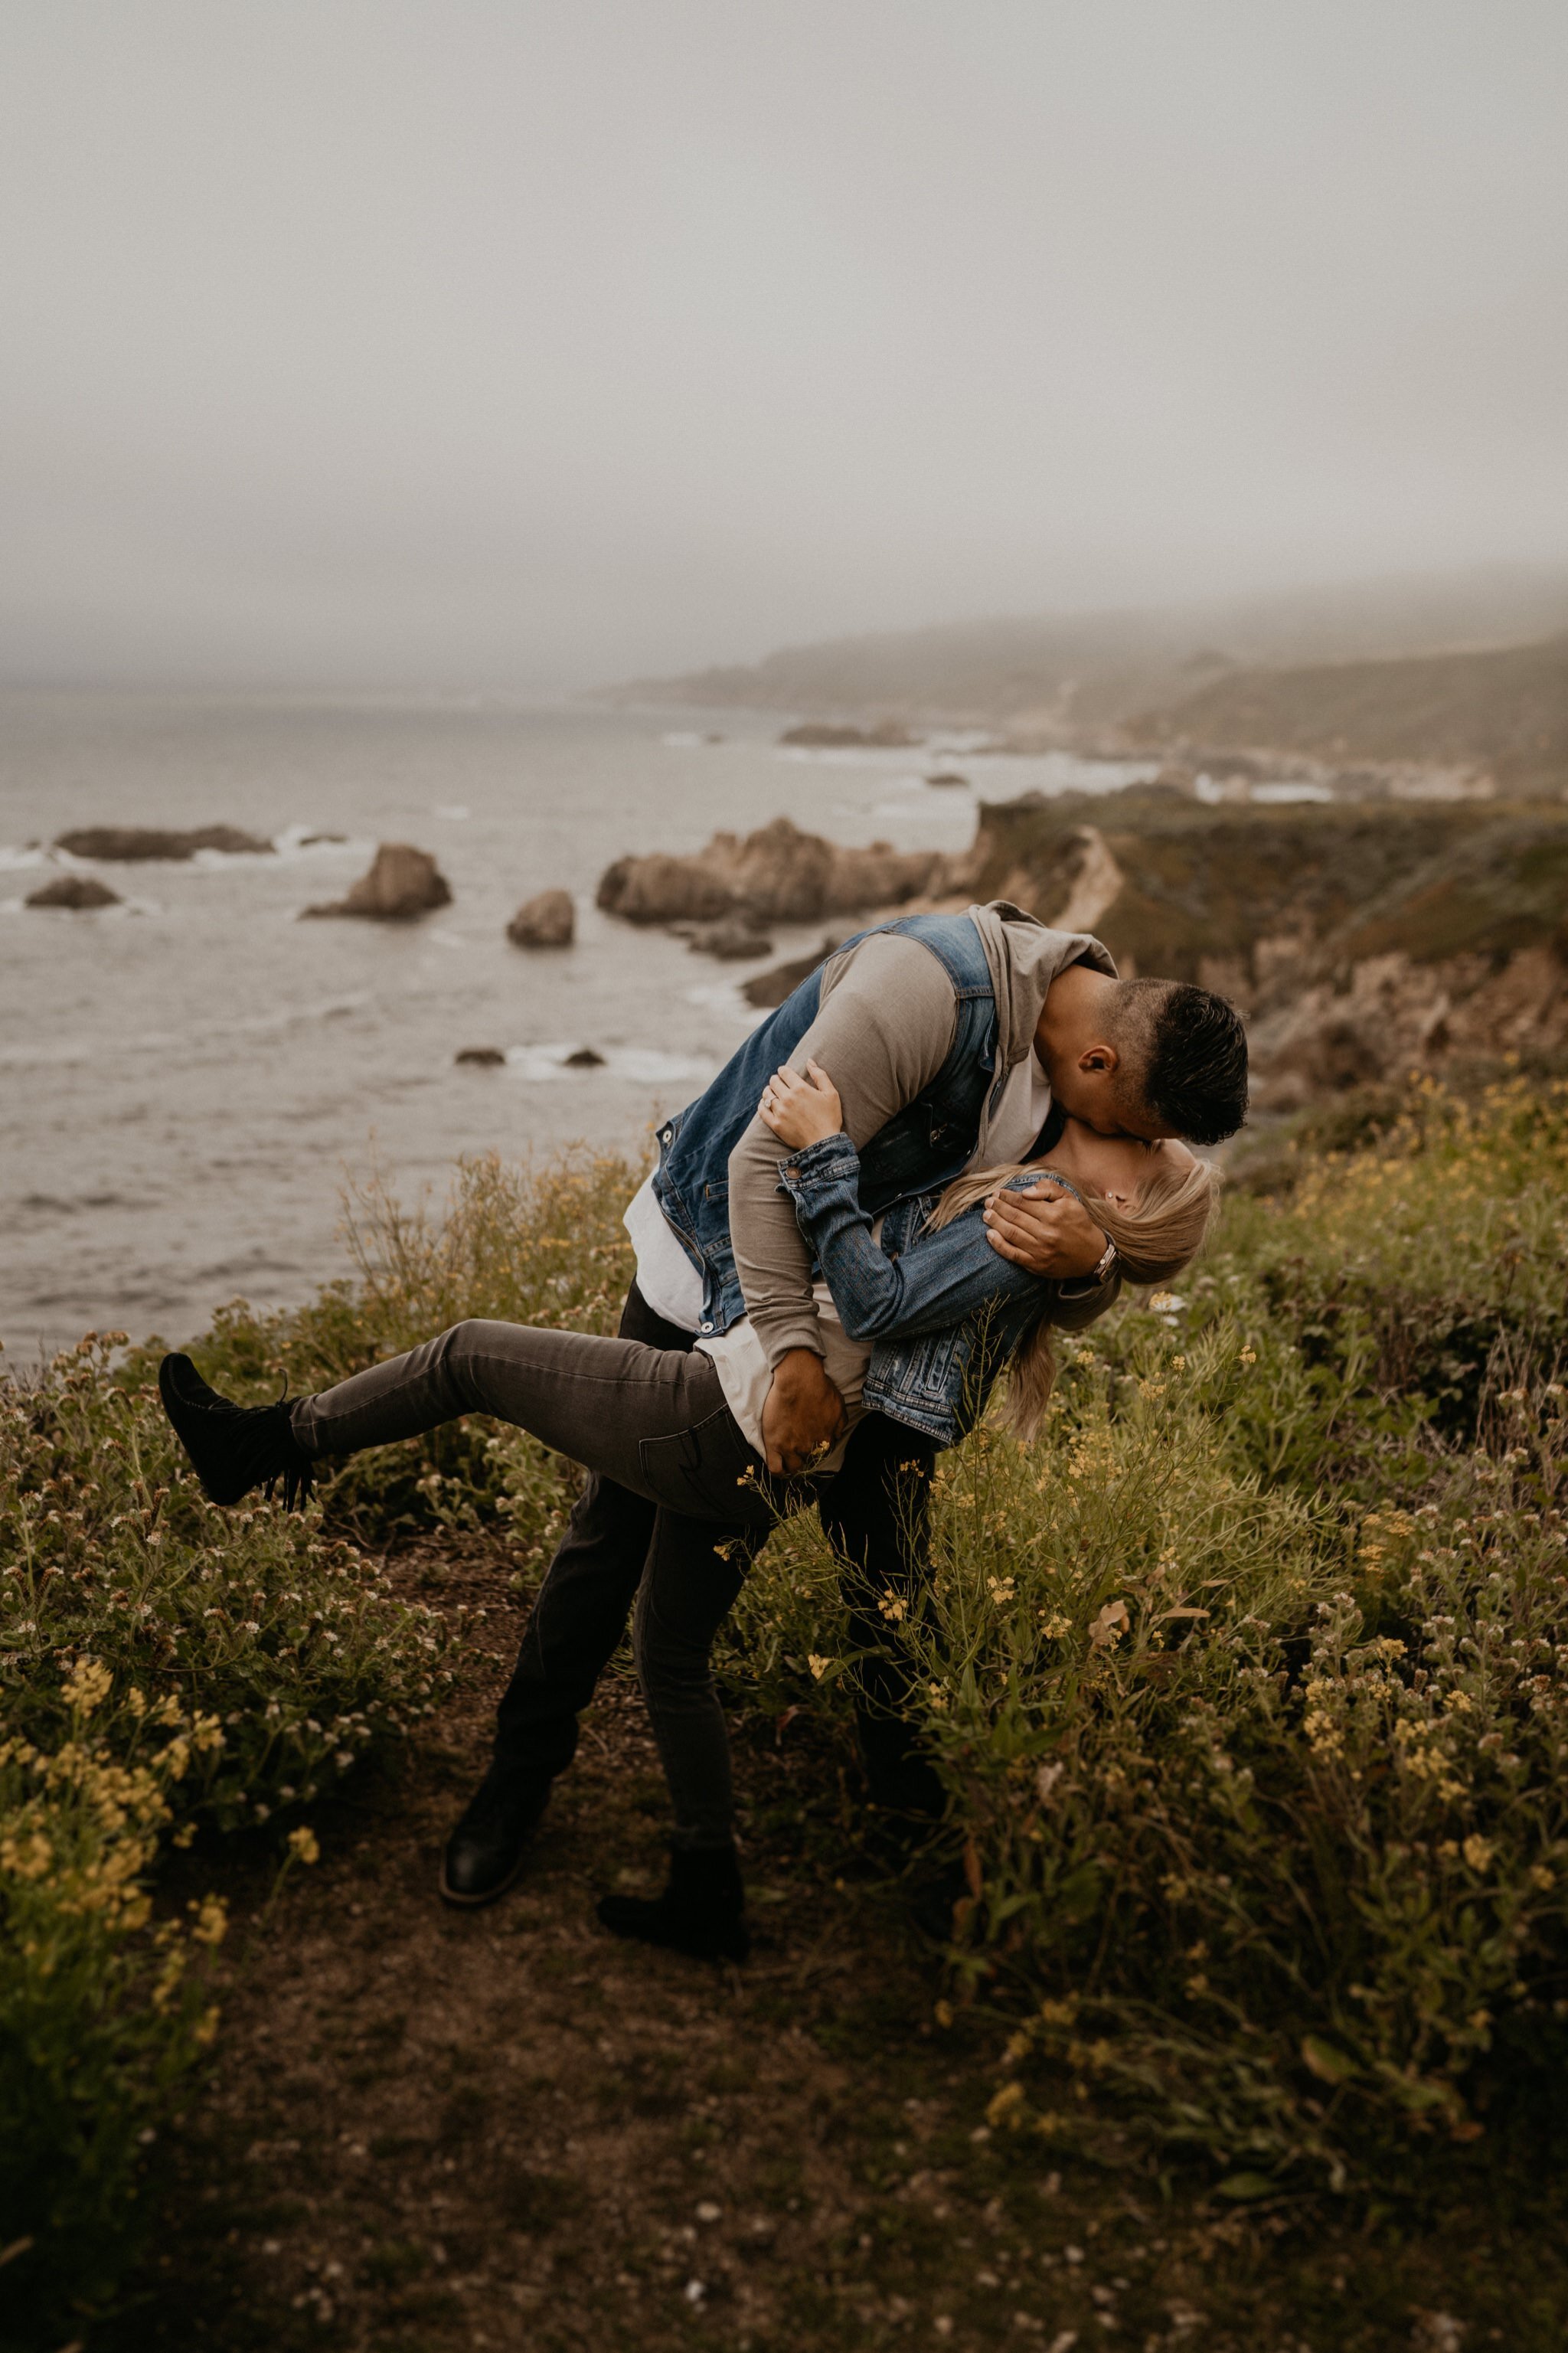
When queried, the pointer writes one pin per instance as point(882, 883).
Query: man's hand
point(1049, 1232)
point(804, 1414)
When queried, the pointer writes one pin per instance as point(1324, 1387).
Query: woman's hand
point(801, 1108)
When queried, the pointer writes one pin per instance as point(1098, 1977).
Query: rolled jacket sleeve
point(940, 1280)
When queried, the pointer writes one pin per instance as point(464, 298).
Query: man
point(952, 1041)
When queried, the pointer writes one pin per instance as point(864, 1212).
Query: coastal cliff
point(1359, 940)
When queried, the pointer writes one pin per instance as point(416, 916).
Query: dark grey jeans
point(664, 1532)
point(651, 1423)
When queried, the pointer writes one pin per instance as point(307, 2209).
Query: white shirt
point(670, 1282)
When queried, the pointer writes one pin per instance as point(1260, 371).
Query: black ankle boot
point(488, 1846)
point(234, 1447)
point(700, 1911)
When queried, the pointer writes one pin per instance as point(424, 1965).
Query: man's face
point(1091, 1087)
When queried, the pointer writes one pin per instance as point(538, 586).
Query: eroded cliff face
point(1360, 941)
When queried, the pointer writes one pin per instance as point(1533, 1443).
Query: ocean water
point(186, 1081)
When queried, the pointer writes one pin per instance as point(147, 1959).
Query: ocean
point(188, 1080)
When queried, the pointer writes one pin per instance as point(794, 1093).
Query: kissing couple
point(961, 1132)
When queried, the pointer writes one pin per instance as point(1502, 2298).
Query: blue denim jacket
point(944, 1310)
point(919, 1150)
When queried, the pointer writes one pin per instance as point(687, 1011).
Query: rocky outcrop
point(1388, 1016)
point(485, 1057)
point(75, 891)
point(547, 921)
point(818, 735)
point(403, 882)
point(781, 980)
point(777, 875)
point(731, 942)
point(132, 843)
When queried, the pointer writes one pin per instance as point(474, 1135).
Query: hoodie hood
point(1024, 956)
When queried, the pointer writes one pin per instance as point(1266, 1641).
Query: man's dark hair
point(1187, 1059)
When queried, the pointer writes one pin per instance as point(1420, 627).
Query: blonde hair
point(1155, 1237)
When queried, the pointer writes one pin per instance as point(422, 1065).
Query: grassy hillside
point(1436, 879)
point(1243, 1684)
point(1506, 710)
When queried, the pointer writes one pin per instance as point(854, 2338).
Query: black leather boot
point(234, 1447)
point(490, 1845)
point(700, 1912)
point(900, 1777)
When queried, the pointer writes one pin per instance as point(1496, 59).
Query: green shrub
point(1440, 1247)
point(109, 1550)
point(102, 2019)
point(1243, 1679)
point(234, 1666)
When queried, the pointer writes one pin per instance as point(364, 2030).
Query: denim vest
point(919, 1150)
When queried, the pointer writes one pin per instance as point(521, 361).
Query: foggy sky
point(542, 345)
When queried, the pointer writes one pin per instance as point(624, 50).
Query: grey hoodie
point(883, 1030)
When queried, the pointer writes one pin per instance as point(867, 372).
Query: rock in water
point(950, 778)
point(402, 883)
point(776, 875)
point(583, 1058)
point(486, 1057)
point(818, 736)
point(148, 841)
point(781, 980)
point(549, 921)
point(734, 942)
point(664, 890)
point(74, 891)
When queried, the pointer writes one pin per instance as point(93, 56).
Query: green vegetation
point(164, 1668)
point(1330, 882)
point(1245, 1681)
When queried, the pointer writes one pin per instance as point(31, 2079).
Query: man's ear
point(1100, 1060)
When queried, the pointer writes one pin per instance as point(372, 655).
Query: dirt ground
point(426, 2130)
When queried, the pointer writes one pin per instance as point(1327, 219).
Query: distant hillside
point(1506, 710)
point(1078, 672)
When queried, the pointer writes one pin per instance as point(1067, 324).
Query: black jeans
point(689, 1571)
point(676, 1506)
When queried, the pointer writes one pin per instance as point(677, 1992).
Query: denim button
point(705, 1327)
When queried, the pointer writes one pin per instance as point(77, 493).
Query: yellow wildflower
point(90, 1683)
point(304, 1845)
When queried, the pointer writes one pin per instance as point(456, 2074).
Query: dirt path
point(429, 2130)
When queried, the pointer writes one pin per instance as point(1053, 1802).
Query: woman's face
point(1117, 1166)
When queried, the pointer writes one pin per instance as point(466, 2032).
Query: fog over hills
point(1070, 671)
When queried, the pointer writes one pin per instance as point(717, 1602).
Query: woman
point(919, 1316)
